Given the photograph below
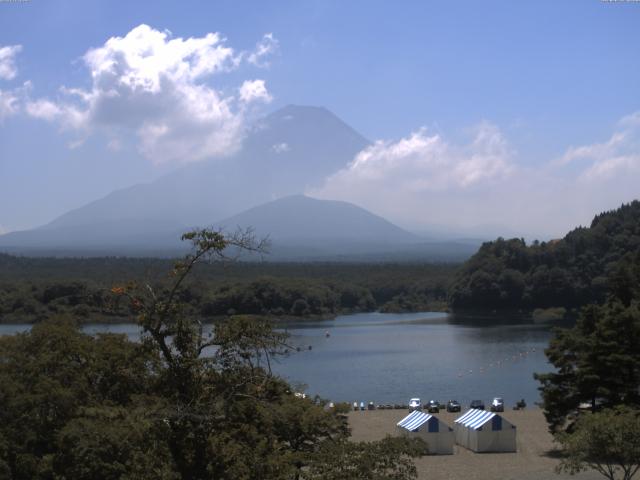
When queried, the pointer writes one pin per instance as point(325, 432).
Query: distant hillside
point(302, 220)
point(284, 153)
point(300, 229)
point(569, 272)
point(306, 229)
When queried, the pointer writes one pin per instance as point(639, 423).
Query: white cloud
point(620, 154)
point(280, 147)
point(630, 121)
point(593, 151)
point(418, 179)
point(9, 99)
point(9, 104)
point(264, 49)
point(8, 70)
point(252, 90)
point(610, 167)
point(157, 88)
point(424, 180)
point(424, 162)
point(68, 115)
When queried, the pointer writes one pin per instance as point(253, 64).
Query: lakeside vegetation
point(32, 289)
point(88, 407)
point(567, 273)
point(544, 279)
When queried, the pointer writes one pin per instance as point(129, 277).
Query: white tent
point(483, 431)
point(437, 434)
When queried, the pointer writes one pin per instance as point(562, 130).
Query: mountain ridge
point(204, 192)
point(283, 218)
point(284, 154)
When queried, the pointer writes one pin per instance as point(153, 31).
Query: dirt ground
point(534, 459)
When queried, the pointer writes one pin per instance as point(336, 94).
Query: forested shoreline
point(31, 289)
point(567, 273)
point(503, 276)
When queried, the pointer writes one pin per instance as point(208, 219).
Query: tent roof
point(475, 418)
point(414, 420)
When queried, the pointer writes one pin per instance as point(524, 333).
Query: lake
point(388, 358)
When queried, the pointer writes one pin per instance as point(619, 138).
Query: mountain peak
point(303, 219)
point(292, 109)
point(289, 151)
point(295, 106)
point(304, 115)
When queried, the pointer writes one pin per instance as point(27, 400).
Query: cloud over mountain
point(9, 99)
point(619, 155)
point(264, 49)
point(401, 175)
point(425, 178)
point(8, 103)
point(8, 69)
point(422, 162)
point(252, 90)
point(157, 88)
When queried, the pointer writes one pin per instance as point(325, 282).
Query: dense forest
point(32, 289)
point(569, 272)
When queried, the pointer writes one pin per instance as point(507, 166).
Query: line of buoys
point(500, 362)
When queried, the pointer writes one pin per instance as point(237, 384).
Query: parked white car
point(415, 404)
point(497, 405)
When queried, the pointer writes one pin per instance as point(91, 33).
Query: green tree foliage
point(32, 289)
point(83, 407)
point(388, 459)
point(112, 442)
point(48, 375)
point(571, 272)
point(284, 297)
point(607, 442)
point(598, 360)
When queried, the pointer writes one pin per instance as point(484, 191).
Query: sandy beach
point(534, 459)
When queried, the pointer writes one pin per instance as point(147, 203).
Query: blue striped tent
point(483, 431)
point(437, 434)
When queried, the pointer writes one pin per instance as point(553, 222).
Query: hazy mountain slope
point(306, 229)
point(282, 154)
point(300, 219)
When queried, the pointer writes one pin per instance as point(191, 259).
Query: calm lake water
point(388, 358)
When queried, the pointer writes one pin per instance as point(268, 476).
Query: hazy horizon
point(482, 118)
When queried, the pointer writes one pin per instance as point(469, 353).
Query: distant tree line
point(33, 289)
point(569, 272)
point(503, 275)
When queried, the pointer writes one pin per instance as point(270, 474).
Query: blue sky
point(546, 76)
